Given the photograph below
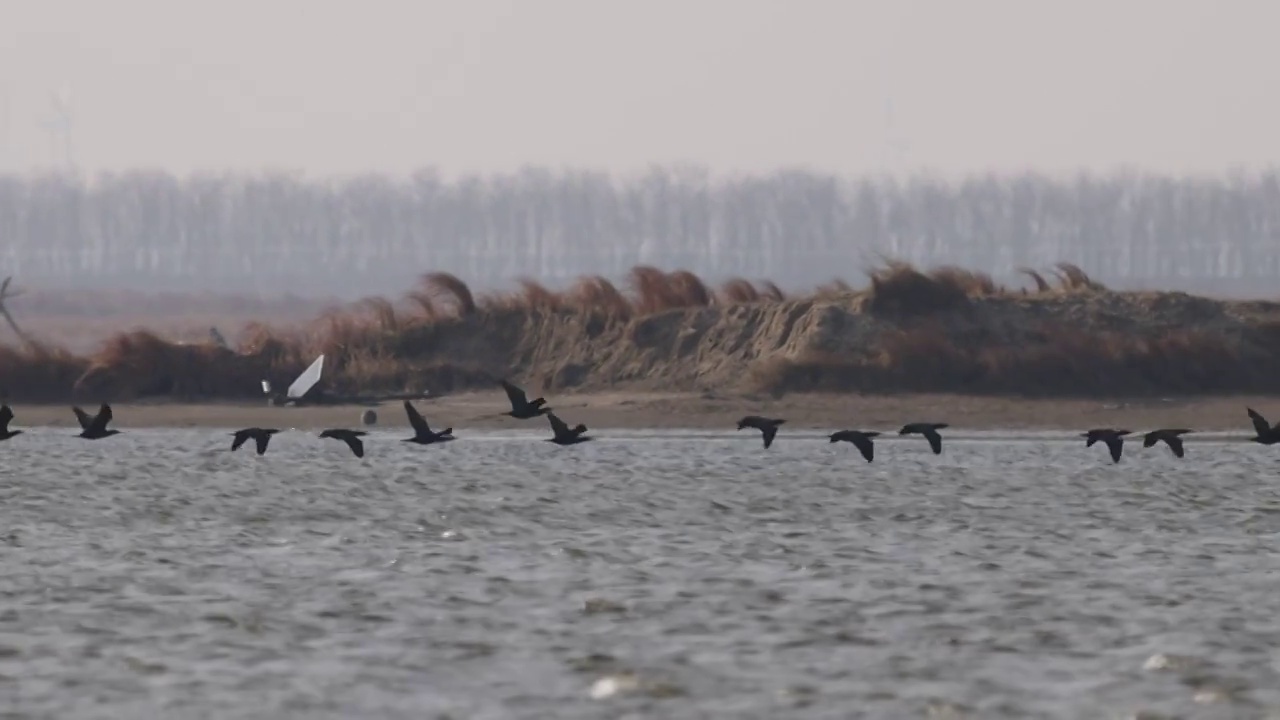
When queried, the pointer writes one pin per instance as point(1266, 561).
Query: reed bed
point(382, 344)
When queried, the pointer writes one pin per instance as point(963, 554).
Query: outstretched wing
point(6, 414)
point(515, 395)
point(769, 432)
point(1260, 423)
point(261, 441)
point(1115, 444)
point(557, 425)
point(419, 423)
point(864, 445)
point(356, 446)
point(1175, 444)
point(99, 423)
point(239, 439)
point(935, 440)
point(85, 419)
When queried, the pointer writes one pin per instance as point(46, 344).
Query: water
point(155, 574)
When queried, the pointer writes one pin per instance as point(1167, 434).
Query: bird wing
point(1115, 444)
point(1260, 423)
point(99, 423)
point(240, 437)
point(864, 445)
point(356, 446)
point(769, 431)
point(261, 441)
point(558, 426)
point(6, 414)
point(419, 423)
point(85, 419)
point(935, 440)
point(515, 395)
point(1175, 444)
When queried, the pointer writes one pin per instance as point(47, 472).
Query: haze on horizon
point(325, 87)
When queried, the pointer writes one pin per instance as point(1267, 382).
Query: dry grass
point(379, 345)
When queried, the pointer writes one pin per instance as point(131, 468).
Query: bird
point(521, 407)
point(1114, 440)
point(768, 427)
point(1266, 434)
point(860, 439)
point(564, 435)
point(422, 433)
point(260, 437)
point(1168, 436)
point(929, 431)
point(350, 437)
point(6, 415)
point(95, 428)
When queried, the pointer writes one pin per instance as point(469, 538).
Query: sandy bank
point(603, 411)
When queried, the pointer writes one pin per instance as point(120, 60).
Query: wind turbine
point(896, 145)
point(59, 123)
point(5, 127)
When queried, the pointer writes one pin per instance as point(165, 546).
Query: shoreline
point(644, 410)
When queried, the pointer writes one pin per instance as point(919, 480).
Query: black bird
point(6, 414)
point(1114, 440)
point(861, 440)
point(1169, 436)
point(1266, 434)
point(521, 407)
point(422, 433)
point(929, 431)
point(768, 427)
point(350, 437)
point(260, 437)
point(95, 428)
point(564, 435)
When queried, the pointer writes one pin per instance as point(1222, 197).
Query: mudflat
point(636, 410)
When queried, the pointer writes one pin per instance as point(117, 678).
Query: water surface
point(156, 574)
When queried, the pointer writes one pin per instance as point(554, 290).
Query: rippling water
point(156, 574)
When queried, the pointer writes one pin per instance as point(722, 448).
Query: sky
point(330, 87)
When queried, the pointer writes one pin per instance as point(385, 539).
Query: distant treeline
point(357, 236)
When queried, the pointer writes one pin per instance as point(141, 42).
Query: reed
point(441, 337)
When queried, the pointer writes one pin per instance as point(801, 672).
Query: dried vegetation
point(947, 329)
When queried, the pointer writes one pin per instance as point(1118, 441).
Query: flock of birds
point(1264, 433)
point(94, 427)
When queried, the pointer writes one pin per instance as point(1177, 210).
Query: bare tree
point(5, 294)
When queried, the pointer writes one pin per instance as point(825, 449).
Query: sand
point(603, 411)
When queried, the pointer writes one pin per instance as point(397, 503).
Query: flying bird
point(563, 434)
point(1266, 434)
point(1169, 436)
point(260, 437)
point(521, 407)
point(6, 415)
point(422, 433)
point(350, 437)
point(768, 427)
point(929, 431)
point(95, 428)
point(861, 440)
point(1114, 440)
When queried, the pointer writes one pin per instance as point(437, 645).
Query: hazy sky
point(331, 86)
